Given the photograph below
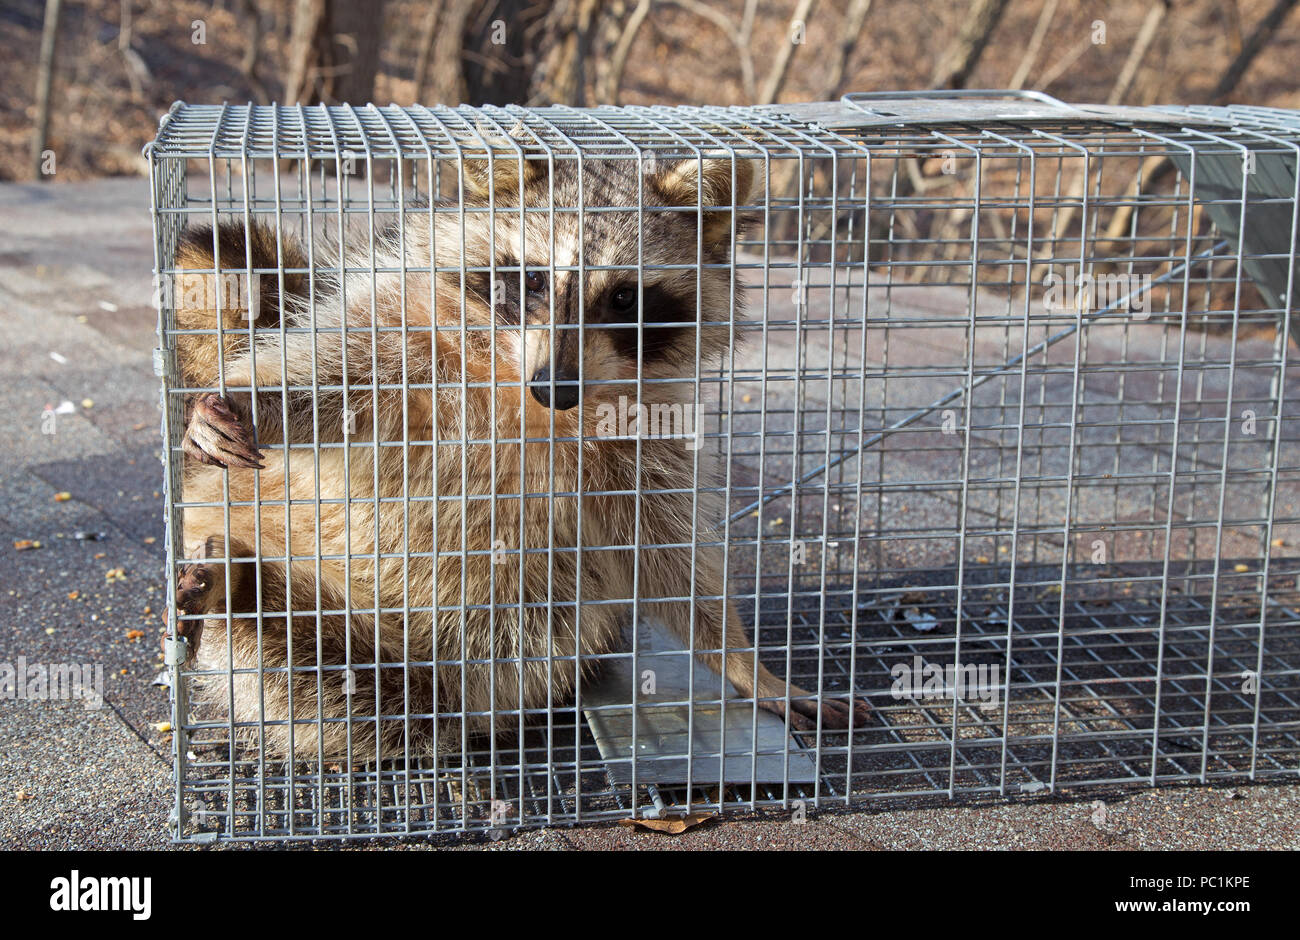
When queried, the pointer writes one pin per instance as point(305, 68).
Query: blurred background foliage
point(87, 80)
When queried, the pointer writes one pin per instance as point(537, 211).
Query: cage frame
point(975, 124)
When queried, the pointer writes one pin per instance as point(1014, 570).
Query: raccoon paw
point(835, 714)
point(196, 590)
point(217, 436)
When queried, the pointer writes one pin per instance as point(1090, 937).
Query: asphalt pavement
point(82, 582)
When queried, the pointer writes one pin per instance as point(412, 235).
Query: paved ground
point(76, 328)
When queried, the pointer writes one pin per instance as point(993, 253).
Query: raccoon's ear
point(501, 179)
point(501, 176)
point(683, 183)
point(708, 183)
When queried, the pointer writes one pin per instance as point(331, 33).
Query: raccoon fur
point(433, 586)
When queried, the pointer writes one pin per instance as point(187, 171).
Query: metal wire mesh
point(1004, 397)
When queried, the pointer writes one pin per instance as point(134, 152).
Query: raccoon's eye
point(535, 281)
point(623, 299)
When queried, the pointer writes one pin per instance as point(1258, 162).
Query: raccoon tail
point(239, 277)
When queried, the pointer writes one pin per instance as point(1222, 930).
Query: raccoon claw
point(836, 714)
point(193, 592)
point(217, 436)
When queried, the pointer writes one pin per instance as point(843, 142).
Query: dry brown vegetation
point(107, 93)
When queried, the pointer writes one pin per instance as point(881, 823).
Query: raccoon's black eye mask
point(623, 299)
point(622, 303)
point(658, 306)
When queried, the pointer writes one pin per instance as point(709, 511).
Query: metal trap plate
point(684, 718)
point(889, 109)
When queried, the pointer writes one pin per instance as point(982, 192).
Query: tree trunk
point(248, 64)
point(507, 52)
point(44, 84)
point(561, 75)
point(425, 50)
point(445, 75)
point(334, 51)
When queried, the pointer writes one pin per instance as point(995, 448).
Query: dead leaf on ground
point(672, 825)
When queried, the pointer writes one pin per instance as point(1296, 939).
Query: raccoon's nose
point(566, 389)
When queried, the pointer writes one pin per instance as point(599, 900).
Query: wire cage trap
point(967, 412)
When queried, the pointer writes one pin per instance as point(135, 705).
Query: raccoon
point(444, 587)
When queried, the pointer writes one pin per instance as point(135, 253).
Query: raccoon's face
point(591, 297)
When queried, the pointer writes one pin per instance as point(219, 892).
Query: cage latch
point(176, 651)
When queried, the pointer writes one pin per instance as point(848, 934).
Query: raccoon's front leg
point(740, 665)
point(217, 434)
point(754, 680)
point(221, 429)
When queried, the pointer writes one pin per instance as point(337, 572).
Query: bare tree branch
point(1146, 35)
point(854, 19)
point(1067, 62)
point(739, 37)
point(137, 73)
point(952, 71)
point(781, 67)
point(1121, 220)
point(1259, 38)
point(960, 59)
point(503, 44)
point(745, 44)
point(618, 59)
point(1156, 168)
point(1035, 45)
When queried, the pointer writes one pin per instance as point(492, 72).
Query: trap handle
point(1022, 94)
